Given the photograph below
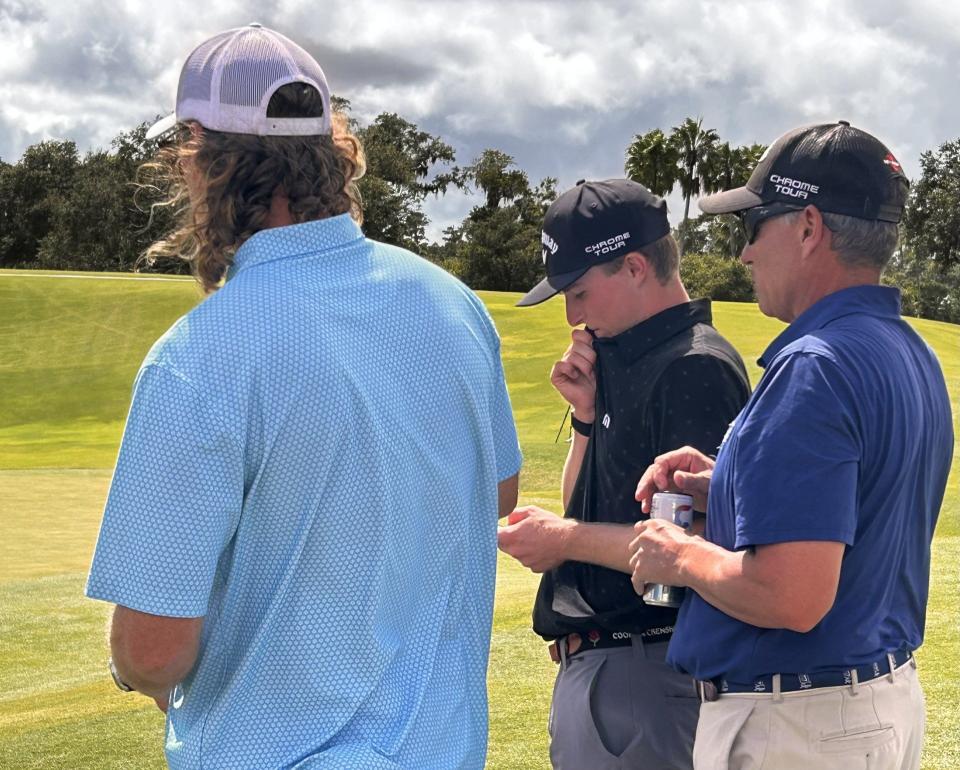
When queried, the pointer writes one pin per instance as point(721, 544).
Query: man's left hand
point(657, 552)
point(535, 537)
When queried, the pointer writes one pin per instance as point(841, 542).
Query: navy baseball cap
point(833, 166)
point(593, 223)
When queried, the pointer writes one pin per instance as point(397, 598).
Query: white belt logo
point(794, 187)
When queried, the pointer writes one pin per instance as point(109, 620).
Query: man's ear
point(638, 265)
point(813, 230)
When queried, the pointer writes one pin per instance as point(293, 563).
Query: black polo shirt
point(667, 382)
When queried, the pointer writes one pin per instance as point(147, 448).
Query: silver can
point(679, 510)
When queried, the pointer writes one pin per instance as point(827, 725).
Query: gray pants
point(622, 708)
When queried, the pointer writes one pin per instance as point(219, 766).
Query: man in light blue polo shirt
point(300, 535)
point(810, 587)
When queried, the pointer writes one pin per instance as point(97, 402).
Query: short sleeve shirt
point(667, 382)
point(847, 438)
point(311, 463)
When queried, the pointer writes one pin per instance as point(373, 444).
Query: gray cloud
point(561, 86)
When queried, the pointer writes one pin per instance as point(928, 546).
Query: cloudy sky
point(561, 86)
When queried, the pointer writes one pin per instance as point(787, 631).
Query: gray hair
point(861, 242)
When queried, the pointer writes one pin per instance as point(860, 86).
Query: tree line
point(61, 210)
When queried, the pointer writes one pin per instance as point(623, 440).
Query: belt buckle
point(707, 691)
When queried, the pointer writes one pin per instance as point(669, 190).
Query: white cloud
point(563, 86)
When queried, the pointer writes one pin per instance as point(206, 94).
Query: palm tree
point(652, 161)
point(724, 168)
point(694, 144)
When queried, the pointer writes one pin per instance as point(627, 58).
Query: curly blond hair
point(220, 187)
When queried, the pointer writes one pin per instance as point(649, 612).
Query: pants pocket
point(856, 740)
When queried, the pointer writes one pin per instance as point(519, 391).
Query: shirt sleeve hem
point(746, 539)
point(167, 607)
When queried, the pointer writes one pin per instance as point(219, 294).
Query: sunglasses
point(751, 218)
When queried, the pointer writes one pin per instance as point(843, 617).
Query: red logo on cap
point(893, 163)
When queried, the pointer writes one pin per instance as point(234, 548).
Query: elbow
point(508, 492)
point(802, 616)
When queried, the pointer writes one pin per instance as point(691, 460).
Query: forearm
point(571, 466)
point(606, 545)
point(764, 588)
point(153, 653)
point(155, 681)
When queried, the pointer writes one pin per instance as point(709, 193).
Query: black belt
point(601, 639)
point(712, 689)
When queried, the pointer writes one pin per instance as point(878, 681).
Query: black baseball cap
point(593, 223)
point(833, 166)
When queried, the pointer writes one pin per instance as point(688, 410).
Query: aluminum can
point(679, 510)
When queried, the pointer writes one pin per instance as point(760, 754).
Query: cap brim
point(731, 200)
point(549, 286)
point(162, 126)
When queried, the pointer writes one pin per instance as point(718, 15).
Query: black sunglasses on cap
point(751, 218)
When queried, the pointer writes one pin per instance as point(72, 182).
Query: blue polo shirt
point(848, 437)
point(311, 463)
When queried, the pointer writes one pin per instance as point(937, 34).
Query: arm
point(507, 491)
point(788, 585)
point(540, 540)
point(574, 378)
point(153, 653)
point(571, 466)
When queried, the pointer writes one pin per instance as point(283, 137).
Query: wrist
point(568, 539)
point(583, 427)
point(686, 559)
point(584, 413)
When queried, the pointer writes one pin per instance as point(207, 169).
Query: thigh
point(878, 727)
point(622, 709)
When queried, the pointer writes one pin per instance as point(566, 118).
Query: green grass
point(68, 353)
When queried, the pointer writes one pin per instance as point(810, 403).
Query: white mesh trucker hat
point(227, 81)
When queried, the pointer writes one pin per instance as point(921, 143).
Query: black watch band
point(581, 427)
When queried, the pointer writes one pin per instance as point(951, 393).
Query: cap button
point(256, 24)
point(580, 182)
point(844, 123)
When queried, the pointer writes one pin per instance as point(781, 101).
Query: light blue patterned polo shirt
point(311, 462)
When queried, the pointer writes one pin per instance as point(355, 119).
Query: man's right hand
point(574, 377)
point(685, 470)
point(536, 538)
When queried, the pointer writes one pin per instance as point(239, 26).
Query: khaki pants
point(877, 725)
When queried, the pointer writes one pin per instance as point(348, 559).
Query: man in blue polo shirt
point(810, 586)
point(300, 536)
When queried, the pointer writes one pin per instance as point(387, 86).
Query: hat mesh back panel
point(242, 85)
point(306, 63)
point(197, 76)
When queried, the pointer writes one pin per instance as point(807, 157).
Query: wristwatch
point(581, 427)
point(116, 678)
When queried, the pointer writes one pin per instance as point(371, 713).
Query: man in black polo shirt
point(647, 373)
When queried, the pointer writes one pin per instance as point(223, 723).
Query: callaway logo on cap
point(593, 223)
point(834, 166)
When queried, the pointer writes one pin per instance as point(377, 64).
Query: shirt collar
point(881, 301)
point(294, 241)
point(647, 335)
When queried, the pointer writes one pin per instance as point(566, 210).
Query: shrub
point(717, 277)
